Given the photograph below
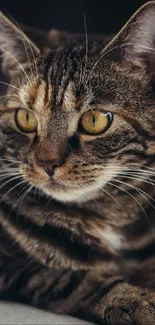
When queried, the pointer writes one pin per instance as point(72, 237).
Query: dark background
point(102, 16)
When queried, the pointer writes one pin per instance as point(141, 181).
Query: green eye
point(95, 122)
point(25, 120)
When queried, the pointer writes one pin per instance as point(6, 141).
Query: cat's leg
point(100, 298)
point(122, 305)
point(110, 302)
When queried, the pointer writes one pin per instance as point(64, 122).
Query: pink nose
point(50, 169)
point(50, 166)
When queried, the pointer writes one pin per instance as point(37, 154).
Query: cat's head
point(73, 119)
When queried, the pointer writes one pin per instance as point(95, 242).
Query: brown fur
point(80, 241)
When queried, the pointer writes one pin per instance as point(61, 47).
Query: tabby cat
point(77, 169)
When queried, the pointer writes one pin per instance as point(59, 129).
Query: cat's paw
point(131, 309)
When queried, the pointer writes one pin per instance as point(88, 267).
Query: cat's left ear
point(134, 45)
point(15, 47)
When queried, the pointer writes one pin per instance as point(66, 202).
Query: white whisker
point(8, 159)
point(10, 180)
point(81, 68)
point(7, 175)
point(113, 199)
point(25, 39)
point(122, 189)
point(136, 176)
point(96, 63)
point(12, 188)
point(11, 95)
point(21, 196)
point(21, 67)
point(86, 55)
point(12, 86)
point(140, 191)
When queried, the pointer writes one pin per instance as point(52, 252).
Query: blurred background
point(102, 16)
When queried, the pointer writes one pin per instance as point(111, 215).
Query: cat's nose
point(50, 169)
point(50, 166)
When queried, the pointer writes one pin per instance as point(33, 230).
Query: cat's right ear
point(133, 48)
point(15, 47)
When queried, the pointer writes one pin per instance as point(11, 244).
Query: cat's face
point(73, 123)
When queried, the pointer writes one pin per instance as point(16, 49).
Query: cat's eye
point(25, 120)
point(95, 122)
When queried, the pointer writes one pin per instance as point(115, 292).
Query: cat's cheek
point(34, 174)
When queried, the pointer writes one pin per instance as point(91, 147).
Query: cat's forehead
point(39, 96)
point(66, 84)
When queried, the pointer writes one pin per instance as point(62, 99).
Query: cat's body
point(77, 198)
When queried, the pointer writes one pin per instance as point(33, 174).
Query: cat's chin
point(73, 195)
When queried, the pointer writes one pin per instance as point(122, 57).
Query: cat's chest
point(69, 241)
point(56, 246)
point(109, 237)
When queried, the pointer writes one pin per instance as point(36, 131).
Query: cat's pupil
point(27, 118)
point(94, 119)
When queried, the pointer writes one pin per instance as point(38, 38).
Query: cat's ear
point(134, 45)
point(15, 47)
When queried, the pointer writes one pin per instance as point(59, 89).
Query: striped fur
point(80, 242)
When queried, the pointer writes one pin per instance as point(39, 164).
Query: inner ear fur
point(134, 45)
point(16, 47)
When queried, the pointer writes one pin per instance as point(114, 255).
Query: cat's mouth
point(60, 186)
point(68, 191)
point(66, 186)
point(65, 193)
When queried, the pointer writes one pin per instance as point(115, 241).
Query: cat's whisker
point(12, 166)
point(112, 197)
point(27, 193)
point(9, 172)
point(25, 39)
point(135, 164)
point(81, 73)
point(20, 199)
point(4, 164)
point(16, 200)
point(86, 55)
point(144, 166)
point(126, 169)
point(21, 67)
point(138, 177)
point(10, 180)
point(96, 63)
point(12, 86)
point(22, 196)
point(29, 190)
point(139, 204)
point(8, 164)
point(11, 95)
point(143, 193)
point(11, 189)
point(8, 159)
point(35, 194)
point(9, 168)
point(142, 176)
point(7, 175)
